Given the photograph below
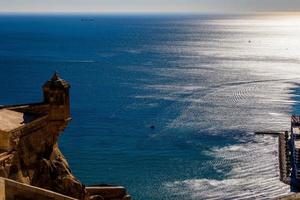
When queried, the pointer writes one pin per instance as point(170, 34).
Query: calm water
point(205, 83)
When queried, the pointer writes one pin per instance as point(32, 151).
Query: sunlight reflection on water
point(247, 85)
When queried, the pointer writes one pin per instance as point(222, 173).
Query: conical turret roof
point(56, 82)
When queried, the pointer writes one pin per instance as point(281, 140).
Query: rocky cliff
point(45, 168)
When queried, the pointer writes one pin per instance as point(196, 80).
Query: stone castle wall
point(30, 155)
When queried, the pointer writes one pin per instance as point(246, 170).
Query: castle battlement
point(29, 152)
point(53, 113)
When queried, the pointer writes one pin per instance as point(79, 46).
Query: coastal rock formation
point(29, 151)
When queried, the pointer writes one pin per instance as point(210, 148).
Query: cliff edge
point(29, 152)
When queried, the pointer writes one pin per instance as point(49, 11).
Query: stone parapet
point(12, 190)
point(109, 192)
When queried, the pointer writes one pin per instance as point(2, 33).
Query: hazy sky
point(149, 5)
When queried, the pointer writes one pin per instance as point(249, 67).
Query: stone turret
point(56, 94)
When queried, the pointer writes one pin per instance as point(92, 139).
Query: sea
point(164, 105)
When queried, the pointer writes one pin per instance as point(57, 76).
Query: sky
point(128, 6)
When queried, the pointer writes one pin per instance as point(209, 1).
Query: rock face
point(46, 171)
point(29, 151)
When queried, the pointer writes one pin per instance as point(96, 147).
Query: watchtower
point(56, 94)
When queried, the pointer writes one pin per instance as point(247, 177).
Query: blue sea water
point(205, 82)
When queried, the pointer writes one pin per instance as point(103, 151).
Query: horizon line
point(147, 12)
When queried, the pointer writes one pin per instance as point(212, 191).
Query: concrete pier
point(284, 158)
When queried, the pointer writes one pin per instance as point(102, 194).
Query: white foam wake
point(254, 174)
